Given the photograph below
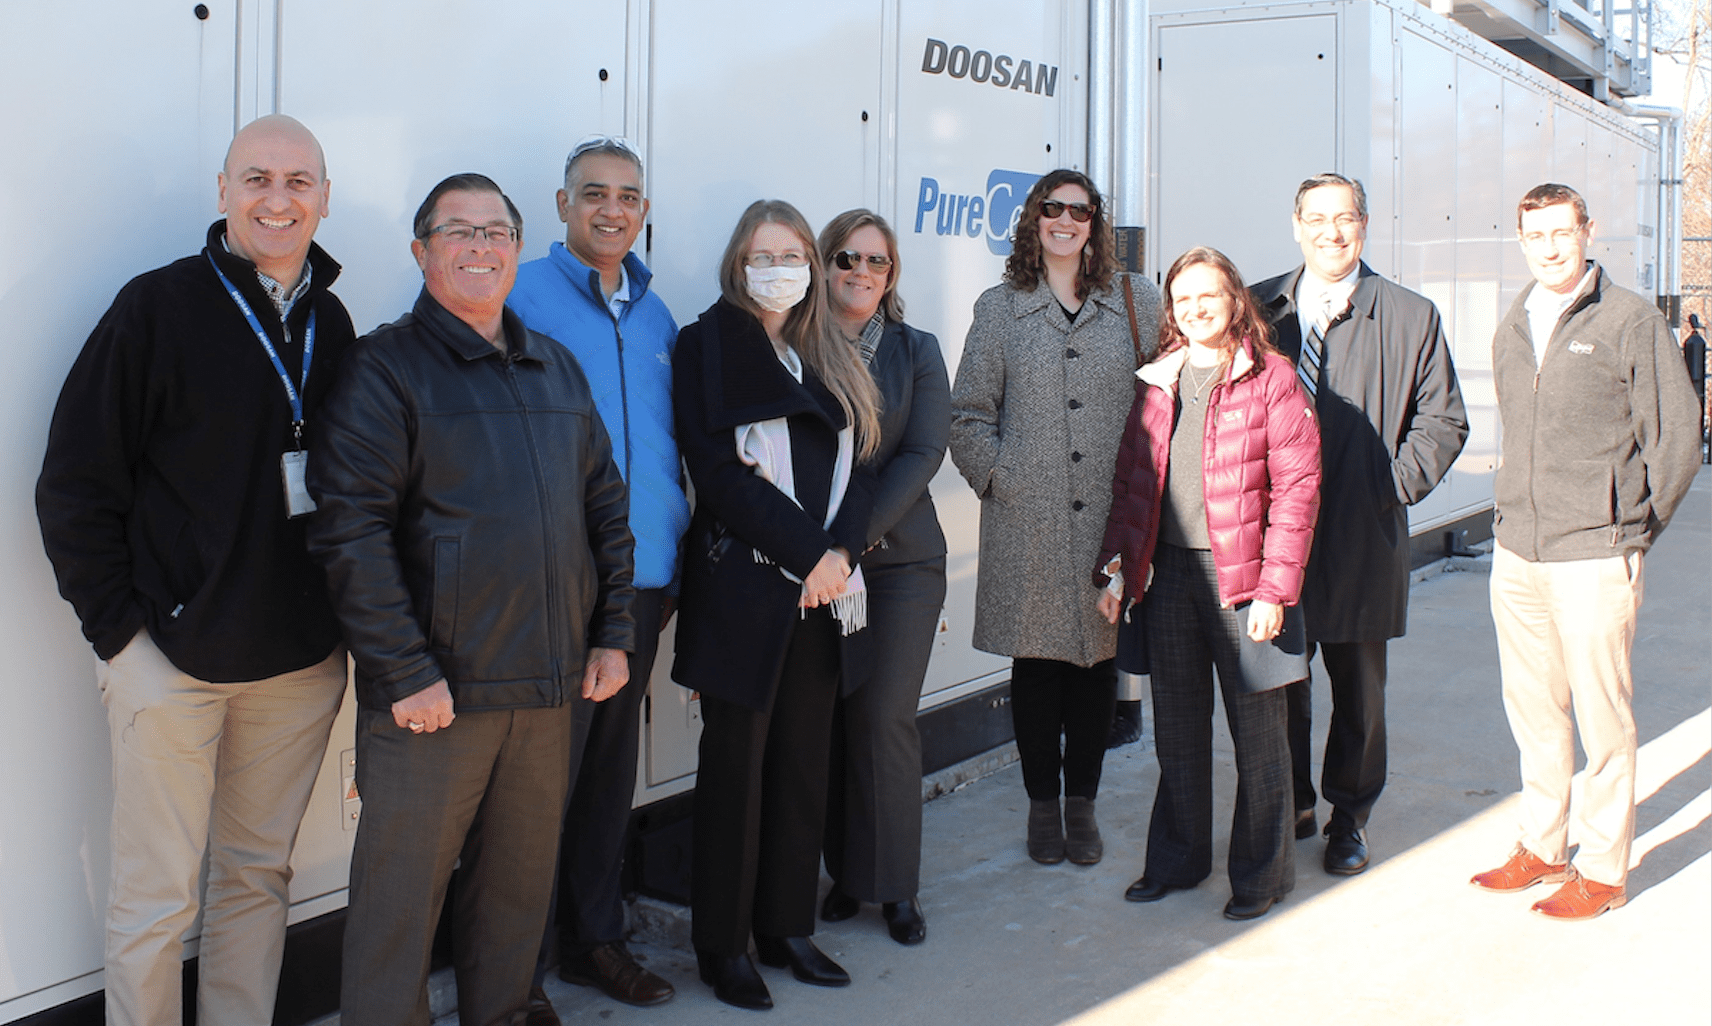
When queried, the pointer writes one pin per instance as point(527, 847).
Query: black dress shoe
point(1346, 851)
point(734, 980)
point(1149, 890)
point(1305, 825)
point(1248, 908)
point(838, 906)
point(806, 962)
point(904, 921)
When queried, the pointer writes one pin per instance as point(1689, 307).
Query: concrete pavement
point(1408, 942)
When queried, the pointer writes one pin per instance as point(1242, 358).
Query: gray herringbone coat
point(1036, 416)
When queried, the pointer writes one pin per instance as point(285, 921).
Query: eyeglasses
point(1318, 223)
point(463, 234)
point(847, 259)
point(1081, 213)
point(1559, 239)
point(761, 259)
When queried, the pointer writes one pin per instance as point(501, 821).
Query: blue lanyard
point(292, 391)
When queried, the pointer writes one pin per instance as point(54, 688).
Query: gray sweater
point(1602, 440)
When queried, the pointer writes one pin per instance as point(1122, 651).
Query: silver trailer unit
point(936, 113)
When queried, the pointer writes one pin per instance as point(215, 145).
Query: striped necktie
point(1310, 366)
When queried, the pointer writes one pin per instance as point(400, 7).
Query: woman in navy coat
point(873, 822)
point(776, 421)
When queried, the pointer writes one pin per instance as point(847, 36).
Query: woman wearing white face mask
point(776, 420)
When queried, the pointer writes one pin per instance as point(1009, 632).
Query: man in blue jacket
point(591, 294)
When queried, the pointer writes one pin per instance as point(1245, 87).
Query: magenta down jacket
point(1260, 469)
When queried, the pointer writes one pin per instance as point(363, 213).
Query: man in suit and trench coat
point(1373, 356)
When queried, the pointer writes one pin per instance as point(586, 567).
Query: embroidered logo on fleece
point(1581, 348)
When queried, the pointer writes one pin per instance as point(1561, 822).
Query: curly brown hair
point(1247, 323)
point(1025, 266)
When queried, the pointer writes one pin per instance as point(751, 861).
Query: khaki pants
point(222, 770)
point(1565, 631)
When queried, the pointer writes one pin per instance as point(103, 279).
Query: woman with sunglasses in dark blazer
point(873, 814)
point(1042, 393)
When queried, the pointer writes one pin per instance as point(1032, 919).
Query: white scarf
point(766, 446)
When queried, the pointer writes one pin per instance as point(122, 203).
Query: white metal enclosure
point(937, 113)
point(118, 121)
point(1445, 130)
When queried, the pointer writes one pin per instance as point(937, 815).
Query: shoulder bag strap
point(1134, 331)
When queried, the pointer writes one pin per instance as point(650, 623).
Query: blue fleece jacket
point(628, 363)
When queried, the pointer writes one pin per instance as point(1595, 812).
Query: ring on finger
point(416, 726)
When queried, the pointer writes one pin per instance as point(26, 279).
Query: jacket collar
point(323, 269)
point(1361, 301)
point(1593, 293)
point(1165, 368)
point(586, 279)
point(743, 380)
point(463, 340)
point(1041, 297)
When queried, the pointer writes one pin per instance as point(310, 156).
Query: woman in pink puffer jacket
point(1213, 506)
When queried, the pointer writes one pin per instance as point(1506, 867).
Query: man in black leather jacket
point(474, 531)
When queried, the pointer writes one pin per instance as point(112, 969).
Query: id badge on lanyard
point(294, 462)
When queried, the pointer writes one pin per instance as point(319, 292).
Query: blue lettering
point(925, 200)
point(972, 227)
point(947, 214)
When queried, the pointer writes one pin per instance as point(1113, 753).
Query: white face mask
point(777, 289)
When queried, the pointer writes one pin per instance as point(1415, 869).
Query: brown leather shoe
point(611, 968)
point(1520, 871)
point(540, 1010)
point(1581, 898)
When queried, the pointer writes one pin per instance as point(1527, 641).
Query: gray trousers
point(873, 806)
point(1188, 634)
point(483, 794)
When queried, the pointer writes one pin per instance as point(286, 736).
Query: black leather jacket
point(472, 522)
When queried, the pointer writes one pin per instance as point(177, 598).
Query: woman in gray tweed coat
point(1042, 393)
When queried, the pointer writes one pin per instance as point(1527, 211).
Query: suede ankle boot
point(1045, 832)
point(1082, 843)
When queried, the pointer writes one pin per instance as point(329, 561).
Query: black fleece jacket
point(160, 498)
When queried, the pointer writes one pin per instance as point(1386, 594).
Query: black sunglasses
point(847, 259)
point(1081, 213)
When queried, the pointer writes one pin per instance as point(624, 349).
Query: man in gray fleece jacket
point(1600, 442)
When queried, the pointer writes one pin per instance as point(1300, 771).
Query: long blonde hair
point(808, 325)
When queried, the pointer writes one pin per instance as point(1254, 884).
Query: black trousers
point(1188, 636)
point(1052, 699)
point(760, 800)
point(1354, 769)
point(588, 909)
point(873, 807)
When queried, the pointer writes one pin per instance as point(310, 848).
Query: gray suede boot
point(1083, 844)
point(1045, 832)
